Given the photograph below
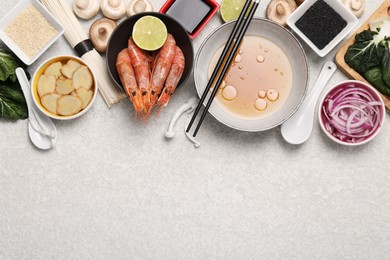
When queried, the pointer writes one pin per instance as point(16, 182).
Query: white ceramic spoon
point(41, 129)
point(298, 128)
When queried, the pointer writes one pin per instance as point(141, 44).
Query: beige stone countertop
point(115, 188)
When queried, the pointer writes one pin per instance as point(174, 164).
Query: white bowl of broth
point(267, 81)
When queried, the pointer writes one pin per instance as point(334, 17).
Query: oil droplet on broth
point(259, 76)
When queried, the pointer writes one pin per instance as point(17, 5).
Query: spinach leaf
point(375, 77)
point(367, 51)
point(8, 63)
point(386, 68)
point(12, 103)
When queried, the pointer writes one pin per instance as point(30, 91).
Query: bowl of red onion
point(351, 113)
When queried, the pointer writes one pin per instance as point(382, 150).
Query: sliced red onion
point(351, 113)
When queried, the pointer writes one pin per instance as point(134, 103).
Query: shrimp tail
point(127, 77)
point(173, 79)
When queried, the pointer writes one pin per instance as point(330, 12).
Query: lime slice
point(231, 9)
point(149, 33)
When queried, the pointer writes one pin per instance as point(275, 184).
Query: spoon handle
point(298, 128)
point(326, 73)
point(23, 81)
point(42, 124)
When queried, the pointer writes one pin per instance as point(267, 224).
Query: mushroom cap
point(138, 6)
point(279, 10)
point(86, 9)
point(355, 6)
point(100, 33)
point(113, 9)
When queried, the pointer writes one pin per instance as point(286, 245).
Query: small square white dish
point(339, 8)
point(12, 14)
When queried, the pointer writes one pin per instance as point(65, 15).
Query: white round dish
point(285, 40)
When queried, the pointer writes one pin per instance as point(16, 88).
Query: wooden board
point(383, 10)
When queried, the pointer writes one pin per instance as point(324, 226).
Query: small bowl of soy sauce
point(322, 24)
point(193, 15)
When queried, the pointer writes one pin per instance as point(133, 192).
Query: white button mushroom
point(279, 10)
point(229, 92)
point(86, 9)
point(260, 104)
point(138, 6)
point(113, 9)
point(355, 6)
point(272, 94)
point(100, 33)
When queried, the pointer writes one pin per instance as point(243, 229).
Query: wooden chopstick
point(230, 50)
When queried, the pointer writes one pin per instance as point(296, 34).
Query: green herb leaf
point(374, 76)
point(386, 68)
point(8, 63)
point(12, 103)
point(366, 52)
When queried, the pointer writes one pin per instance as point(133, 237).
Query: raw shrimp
point(151, 57)
point(173, 78)
point(127, 77)
point(142, 72)
point(161, 68)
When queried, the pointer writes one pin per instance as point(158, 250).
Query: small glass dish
point(316, 24)
point(13, 14)
point(193, 15)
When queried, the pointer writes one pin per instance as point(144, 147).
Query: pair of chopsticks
point(225, 60)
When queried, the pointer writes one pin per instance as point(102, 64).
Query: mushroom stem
point(280, 8)
point(138, 6)
point(113, 9)
point(102, 31)
point(114, 3)
point(82, 4)
point(355, 6)
point(86, 9)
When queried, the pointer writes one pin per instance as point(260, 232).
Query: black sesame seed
point(321, 24)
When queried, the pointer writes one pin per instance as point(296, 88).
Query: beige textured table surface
point(114, 188)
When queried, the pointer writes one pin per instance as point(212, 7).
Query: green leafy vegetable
point(386, 68)
point(375, 78)
point(8, 63)
point(370, 56)
point(366, 52)
point(12, 103)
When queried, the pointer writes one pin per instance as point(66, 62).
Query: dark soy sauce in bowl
point(189, 13)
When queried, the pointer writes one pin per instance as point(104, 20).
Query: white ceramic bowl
point(357, 84)
point(40, 71)
point(351, 20)
point(12, 14)
point(285, 40)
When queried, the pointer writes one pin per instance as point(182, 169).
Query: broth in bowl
point(267, 82)
point(259, 80)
